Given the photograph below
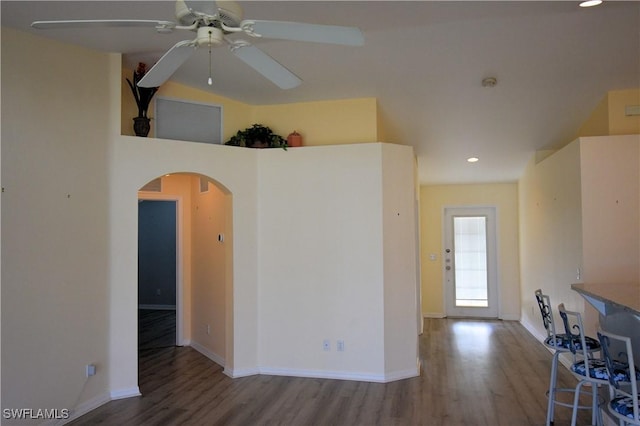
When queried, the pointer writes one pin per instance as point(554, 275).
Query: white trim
point(158, 307)
point(324, 374)
point(438, 315)
point(342, 375)
point(234, 374)
point(125, 393)
point(208, 353)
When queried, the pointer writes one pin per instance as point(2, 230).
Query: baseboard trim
point(158, 307)
point(439, 315)
point(125, 393)
point(208, 353)
point(83, 409)
point(236, 373)
point(342, 375)
point(532, 330)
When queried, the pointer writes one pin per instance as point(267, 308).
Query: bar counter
point(619, 308)
point(611, 298)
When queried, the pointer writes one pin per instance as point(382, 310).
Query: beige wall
point(619, 123)
point(579, 222)
point(433, 200)
point(400, 261)
point(609, 117)
point(236, 115)
point(611, 208)
point(325, 273)
point(325, 122)
point(209, 262)
point(550, 233)
point(352, 120)
point(56, 119)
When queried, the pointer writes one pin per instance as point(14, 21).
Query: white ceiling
point(423, 60)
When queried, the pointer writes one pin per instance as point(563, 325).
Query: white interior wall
point(399, 262)
point(579, 210)
point(550, 233)
point(135, 162)
point(55, 239)
point(611, 208)
point(86, 179)
point(208, 264)
point(321, 261)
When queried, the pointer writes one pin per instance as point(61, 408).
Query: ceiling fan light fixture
point(590, 3)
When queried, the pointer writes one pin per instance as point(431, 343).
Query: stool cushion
point(598, 370)
point(563, 341)
point(623, 405)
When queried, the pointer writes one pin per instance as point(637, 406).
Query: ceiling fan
point(213, 27)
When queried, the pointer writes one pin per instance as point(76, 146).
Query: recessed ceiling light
point(590, 3)
point(473, 159)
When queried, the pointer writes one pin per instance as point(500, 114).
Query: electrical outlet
point(208, 329)
point(326, 345)
point(158, 292)
point(91, 370)
point(340, 345)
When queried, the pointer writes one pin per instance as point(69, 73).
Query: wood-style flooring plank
point(473, 373)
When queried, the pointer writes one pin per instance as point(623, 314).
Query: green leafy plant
point(257, 136)
point(142, 95)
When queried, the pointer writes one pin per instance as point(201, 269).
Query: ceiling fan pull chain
point(210, 80)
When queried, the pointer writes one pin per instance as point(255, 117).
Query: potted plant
point(257, 136)
point(143, 97)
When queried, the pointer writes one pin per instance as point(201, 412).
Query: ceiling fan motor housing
point(210, 36)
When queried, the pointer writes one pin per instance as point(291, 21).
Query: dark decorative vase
point(141, 126)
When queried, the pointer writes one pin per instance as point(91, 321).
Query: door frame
point(179, 267)
point(492, 242)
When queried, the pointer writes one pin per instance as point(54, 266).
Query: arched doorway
point(203, 229)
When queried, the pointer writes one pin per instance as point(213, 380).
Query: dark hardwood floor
point(473, 373)
point(156, 328)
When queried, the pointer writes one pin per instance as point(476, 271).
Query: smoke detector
point(489, 82)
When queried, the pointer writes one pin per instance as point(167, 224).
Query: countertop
point(625, 297)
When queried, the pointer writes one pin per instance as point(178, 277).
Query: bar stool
point(559, 343)
point(624, 404)
point(585, 368)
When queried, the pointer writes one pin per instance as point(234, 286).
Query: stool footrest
point(573, 391)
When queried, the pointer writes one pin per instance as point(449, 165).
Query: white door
point(470, 264)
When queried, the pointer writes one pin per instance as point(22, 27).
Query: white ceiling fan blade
point(267, 66)
point(94, 23)
point(168, 64)
point(350, 36)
